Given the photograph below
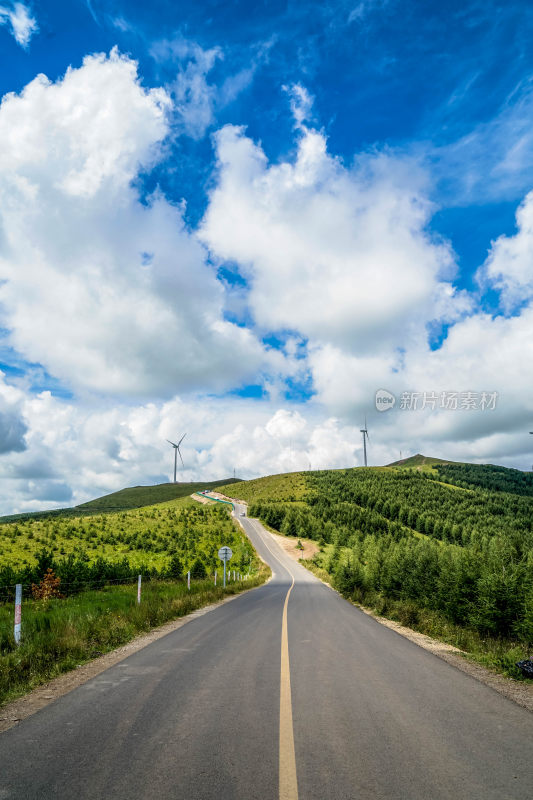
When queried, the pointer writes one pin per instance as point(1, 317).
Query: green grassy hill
point(470, 476)
point(139, 496)
point(290, 486)
point(123, 500)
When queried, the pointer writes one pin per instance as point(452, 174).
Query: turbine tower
point(176, 451)
point(364, 431)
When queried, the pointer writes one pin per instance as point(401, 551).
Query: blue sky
point(412, 76)
point(319, 199)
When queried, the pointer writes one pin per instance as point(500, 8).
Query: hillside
point(409, 535)
point(165, 538)
point(290, 486)
point(123, 500)
point(139, 496)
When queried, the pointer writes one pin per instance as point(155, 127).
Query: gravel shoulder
point(517, 691)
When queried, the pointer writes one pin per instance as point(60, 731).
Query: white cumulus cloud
point(509, 266)
point(109, 293)
point(76, 451)
point(341, 255)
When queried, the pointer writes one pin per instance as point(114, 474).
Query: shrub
point(47, 588)
point(198, 570)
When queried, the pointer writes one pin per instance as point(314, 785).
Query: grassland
point(289, 487)
point(139, 496)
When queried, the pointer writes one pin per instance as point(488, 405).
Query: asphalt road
point(364, 714)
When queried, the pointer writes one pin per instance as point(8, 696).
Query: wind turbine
point(364, 431)
point(176, 451)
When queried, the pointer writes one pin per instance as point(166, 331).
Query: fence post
point(139, 589)
point(215, 577)
point(189, 580)
point(18, 612)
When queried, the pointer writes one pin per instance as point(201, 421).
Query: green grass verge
point(58, 635)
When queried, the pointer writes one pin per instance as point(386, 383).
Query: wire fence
point(69, 588)
point(7, 592)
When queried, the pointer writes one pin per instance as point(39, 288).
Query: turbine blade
point(172, 443)
point(179, 451)
point(182, 438)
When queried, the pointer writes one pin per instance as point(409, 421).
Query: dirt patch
point(220, 496)
point(289, 544)
point(200, 498)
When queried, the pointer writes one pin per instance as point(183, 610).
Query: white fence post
point(139, 589)
point(215, 577)
point(189, 580)
point(18, 612)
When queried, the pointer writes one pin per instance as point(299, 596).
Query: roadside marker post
point(139, 589)
point(18, 612)
point(215, 577)
point(225, 553)
point(189, 580)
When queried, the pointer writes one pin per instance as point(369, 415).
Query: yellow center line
point(288, 785)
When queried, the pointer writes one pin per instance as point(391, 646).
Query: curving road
point(286, 692)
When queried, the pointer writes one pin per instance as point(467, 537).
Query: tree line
point(468, 554)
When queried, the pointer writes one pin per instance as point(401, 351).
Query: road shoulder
point(17, 710)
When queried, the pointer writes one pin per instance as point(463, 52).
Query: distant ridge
point(421, 461)
point(125, 499)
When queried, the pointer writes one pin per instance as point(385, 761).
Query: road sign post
point(225, 553)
